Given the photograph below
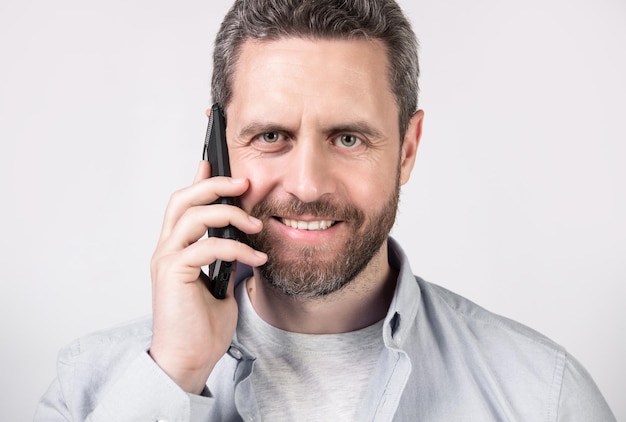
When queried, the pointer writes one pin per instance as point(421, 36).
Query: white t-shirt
point(307, 377)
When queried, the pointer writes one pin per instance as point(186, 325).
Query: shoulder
point(461, 312)
point(532, 370)
point(476, 343)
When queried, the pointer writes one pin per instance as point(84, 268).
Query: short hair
point(272, 20)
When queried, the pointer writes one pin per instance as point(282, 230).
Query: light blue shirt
point(445, 359)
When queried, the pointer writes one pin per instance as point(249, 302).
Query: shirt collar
point(406, 298)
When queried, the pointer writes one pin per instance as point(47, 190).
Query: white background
point(517, 200)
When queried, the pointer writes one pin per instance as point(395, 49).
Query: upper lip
point(305, 217)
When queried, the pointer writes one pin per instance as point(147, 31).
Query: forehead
point(311, 72)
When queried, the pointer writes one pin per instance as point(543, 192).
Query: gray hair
point(321, 19)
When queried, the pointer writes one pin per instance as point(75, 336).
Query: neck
point(361, 303)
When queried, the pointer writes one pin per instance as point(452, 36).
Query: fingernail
point(255, 220)
point(260, 254)
point(237, 180)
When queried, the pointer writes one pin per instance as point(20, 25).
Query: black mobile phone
point(216, 152)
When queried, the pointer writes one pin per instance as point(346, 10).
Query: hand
point(191, 329)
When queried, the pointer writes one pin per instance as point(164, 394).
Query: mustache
point(321, 208)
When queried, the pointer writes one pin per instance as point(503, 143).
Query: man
point(325, 319)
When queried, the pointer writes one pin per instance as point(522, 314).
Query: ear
point(409, 146)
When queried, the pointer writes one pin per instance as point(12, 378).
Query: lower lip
point(304, 235)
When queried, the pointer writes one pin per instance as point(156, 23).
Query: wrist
point(190, 378)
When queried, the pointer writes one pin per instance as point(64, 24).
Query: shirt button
point(234, 352)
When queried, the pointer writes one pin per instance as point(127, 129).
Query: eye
point(270, 142)
point(270, 137)
point(348, 141)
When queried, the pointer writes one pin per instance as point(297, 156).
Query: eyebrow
point(362, 127)
point(256, 127)
point(356, 127)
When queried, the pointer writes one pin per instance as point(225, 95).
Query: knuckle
point(174, 196)
point(188, 213)
point(157, 264)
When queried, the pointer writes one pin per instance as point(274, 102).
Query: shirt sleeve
point(580, 398)
point(141, 392)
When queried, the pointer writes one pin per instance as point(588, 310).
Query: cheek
point(364, 184)
point(382, 175)
point(262, 181)
point(367, 192)
point(369, 187)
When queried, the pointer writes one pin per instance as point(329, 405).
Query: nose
point(309, 173)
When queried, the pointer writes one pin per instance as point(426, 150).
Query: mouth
point(314, 225)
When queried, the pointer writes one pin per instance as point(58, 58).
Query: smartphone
point(215, 150)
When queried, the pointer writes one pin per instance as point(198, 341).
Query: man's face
point(314, 126)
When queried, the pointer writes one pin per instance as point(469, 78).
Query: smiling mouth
point(307, 225)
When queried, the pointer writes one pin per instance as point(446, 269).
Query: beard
point(312, 271)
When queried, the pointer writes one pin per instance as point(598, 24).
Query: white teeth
point(308, 225)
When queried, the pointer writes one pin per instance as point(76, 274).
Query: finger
point(196, 220)
point(186, 266)
point(203, 171)
point(206, 251)
point(201, 193)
